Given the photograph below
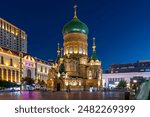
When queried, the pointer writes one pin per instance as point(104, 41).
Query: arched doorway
point(58, 85)
point(58, 88)
point(29, 73)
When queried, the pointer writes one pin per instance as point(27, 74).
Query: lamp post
point(135, 85)
point(67, 83)
point(58, 75)
point(66, 77)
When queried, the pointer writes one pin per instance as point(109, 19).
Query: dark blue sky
point(121, 27)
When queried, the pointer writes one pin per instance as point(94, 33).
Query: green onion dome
point(75, 25)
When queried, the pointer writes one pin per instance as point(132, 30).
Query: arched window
point(29, 73)
point(70, 50)
point(13, 75)
point(90, 74)
point(75, 49)
point(41, 69)
point(66, 51)
point(17, 76)
point(4, 74)
point(11, 62)
point(2, 60)
point(9, 75)
point(80, 50)
point(84, 51)
point(45, 70)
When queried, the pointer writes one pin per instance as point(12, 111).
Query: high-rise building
point(11, 37)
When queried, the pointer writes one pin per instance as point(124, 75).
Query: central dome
point(75, 25)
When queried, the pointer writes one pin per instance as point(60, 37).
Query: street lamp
point(67, 82)
point(135, 85)
point(134, 81)
point(58, 75)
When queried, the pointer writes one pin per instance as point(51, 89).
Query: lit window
point(41, 69)
point(11, 62)
point(70, 50)
point(80, 50)
point(75, 49)
point(2, 60)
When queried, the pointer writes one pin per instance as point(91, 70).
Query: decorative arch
point(30, 58)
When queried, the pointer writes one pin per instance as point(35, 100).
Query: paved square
point(48, 95)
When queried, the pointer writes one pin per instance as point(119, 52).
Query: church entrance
point(58, 87)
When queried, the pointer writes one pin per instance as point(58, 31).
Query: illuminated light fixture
point(74, 83)
point(135, 81)
point(6, 64)
point(66, 83)
point(58, 75)
point(80, 83)
point(15, 66)
point(99, 83)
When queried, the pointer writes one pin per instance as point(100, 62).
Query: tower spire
point(75, 9)
point(94, 46)
point(61, 52)
point(58, 50)
point(94, 57)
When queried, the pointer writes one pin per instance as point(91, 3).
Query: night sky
point(121, 27)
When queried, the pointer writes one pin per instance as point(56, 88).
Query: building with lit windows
point(35, 68)
point(74, 69)
point(17, 65)
point(12, 38)
point(9, 65)
point(130, 72)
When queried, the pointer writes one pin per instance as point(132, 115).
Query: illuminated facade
point(12, 37)
point(9, 65)
point(136, 71)
point(74, 69)
point(17, 65)
point(111, 80)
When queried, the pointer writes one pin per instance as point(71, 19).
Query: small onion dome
point(97, 62)
point(28, 57)
point(75, 25)
point(94, 60)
